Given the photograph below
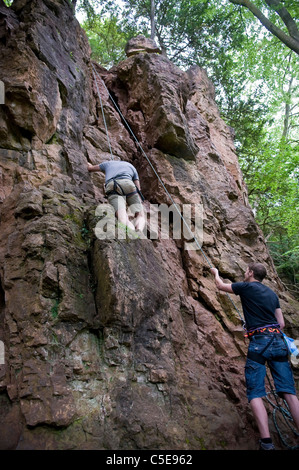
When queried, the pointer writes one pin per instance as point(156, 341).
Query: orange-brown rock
point(116, 343)
point(141, 44)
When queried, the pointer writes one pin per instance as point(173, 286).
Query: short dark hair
point(259, 271)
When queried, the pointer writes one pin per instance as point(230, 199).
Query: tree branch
point(285, 16)
point(290, 41)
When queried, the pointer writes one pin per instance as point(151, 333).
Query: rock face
point(116, 343)
point(141, 44)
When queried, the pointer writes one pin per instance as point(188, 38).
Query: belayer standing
point(264, 320)
point(122, 188)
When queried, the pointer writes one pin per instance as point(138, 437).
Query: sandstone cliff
point(122, 343)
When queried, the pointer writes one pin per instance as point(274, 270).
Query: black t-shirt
point(259, 303)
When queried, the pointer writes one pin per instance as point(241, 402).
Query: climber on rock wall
point(122, 188)
point(264, 321)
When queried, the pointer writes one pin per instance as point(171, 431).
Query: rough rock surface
point(116, 343)
point(141, 44)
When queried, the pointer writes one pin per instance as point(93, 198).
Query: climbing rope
point(102, 108)
point(285, 414)
point(165, 189)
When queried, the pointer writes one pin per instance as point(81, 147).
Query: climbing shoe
point(266, 445)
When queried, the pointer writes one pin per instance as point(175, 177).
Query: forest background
point(250, 51)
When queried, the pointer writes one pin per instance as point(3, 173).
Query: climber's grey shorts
point(119, 201)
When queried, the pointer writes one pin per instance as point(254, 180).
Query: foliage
point(107, 32)
point(278, 17)
point(273, 180)
point(287, 262)
point(106, 40)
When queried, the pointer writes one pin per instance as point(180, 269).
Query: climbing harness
point(258, 356)
point(118, 190)
point(249, 333)
point(165, 189)
point(264, 330)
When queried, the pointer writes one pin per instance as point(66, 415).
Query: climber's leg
point(136, 209)
point(123, 217)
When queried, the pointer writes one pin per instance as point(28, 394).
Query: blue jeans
point(274, 351)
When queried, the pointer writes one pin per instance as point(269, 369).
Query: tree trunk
point(286, 121)
point(153, 19)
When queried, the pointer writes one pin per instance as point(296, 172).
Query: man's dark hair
point(259, 271)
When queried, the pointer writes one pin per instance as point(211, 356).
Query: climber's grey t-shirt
point(259, 303)
point(119, 169)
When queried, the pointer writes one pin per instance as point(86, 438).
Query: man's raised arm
point(220, 284)
point(91, 167)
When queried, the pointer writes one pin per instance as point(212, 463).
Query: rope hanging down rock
point(285, 419)
point(102, 108)
point(162, 184)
